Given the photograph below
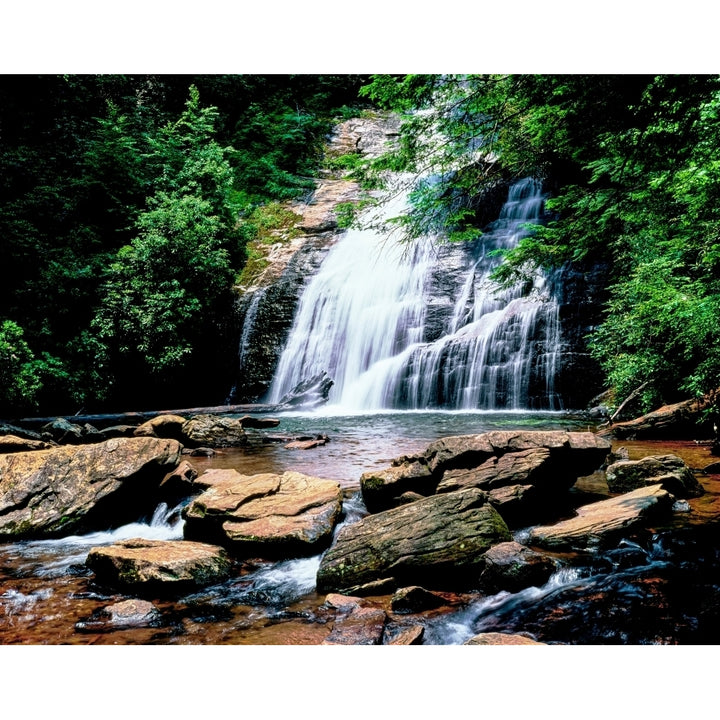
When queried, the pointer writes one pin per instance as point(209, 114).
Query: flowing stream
point(379, 318)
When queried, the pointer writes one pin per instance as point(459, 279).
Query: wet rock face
point(277, 516)
point(437, 539)
point(270, 311)
point(46, 493)
point(154, 564)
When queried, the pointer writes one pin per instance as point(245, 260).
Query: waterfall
point(365, 318)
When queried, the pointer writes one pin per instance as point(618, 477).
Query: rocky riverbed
point(502, 536)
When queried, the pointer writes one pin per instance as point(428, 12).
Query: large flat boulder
point(156, 564)
point(670, 471)
point(604, 520)
point(434, 540)
point(269, 515)
point(549, 460)
point(67, 489)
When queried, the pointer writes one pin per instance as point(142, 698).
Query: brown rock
point(440, 538)
point(308, 444)
point(13, 443)
point(181, 481)
point(214, 431)
point(415, 599)
point(513, 567)
point(72, 488)
point(164, 426)
point(344, 603)
point(363, 626)
point(604, 520)
point(118, 616)
point(668, 470)
point(549, 460)
point(524, 467)
point(412, 635)
point(383, 489)
point(155, 563)
point(286, 515)
point(493, 638)
point(517, 504)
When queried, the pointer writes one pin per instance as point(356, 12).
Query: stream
point(659, 587)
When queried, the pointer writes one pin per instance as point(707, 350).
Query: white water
point(53, 558)
point(363, 320)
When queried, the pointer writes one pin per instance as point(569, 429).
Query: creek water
point(659, 587)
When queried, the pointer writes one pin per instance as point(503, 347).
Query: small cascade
point(365, 319)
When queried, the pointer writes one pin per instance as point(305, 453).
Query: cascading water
point(364, 320)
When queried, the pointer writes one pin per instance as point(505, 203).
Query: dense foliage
point(132, 204)
point(127, 205)
point(631, 163)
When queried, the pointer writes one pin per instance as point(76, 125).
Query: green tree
point(169, 291)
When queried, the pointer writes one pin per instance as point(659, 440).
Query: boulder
point(383, 489)
point(157, 564)
point(573, 454)
point(496, 638)
point(550, 460)
point(415, 599)
point(45, 493)
point(670, 471)
point(406, 635)
point(603, 521)
point(308, 444)
point(213, 431)
point(258, 423)
point(519, 505)
point(13, 443)
point(513, 567)
point(120, 616)
point(117, 431)
point(437, 539)
point(163, 426)
point(269, 515)
point(308, 394)
point(525, 467)
point(364, 625)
